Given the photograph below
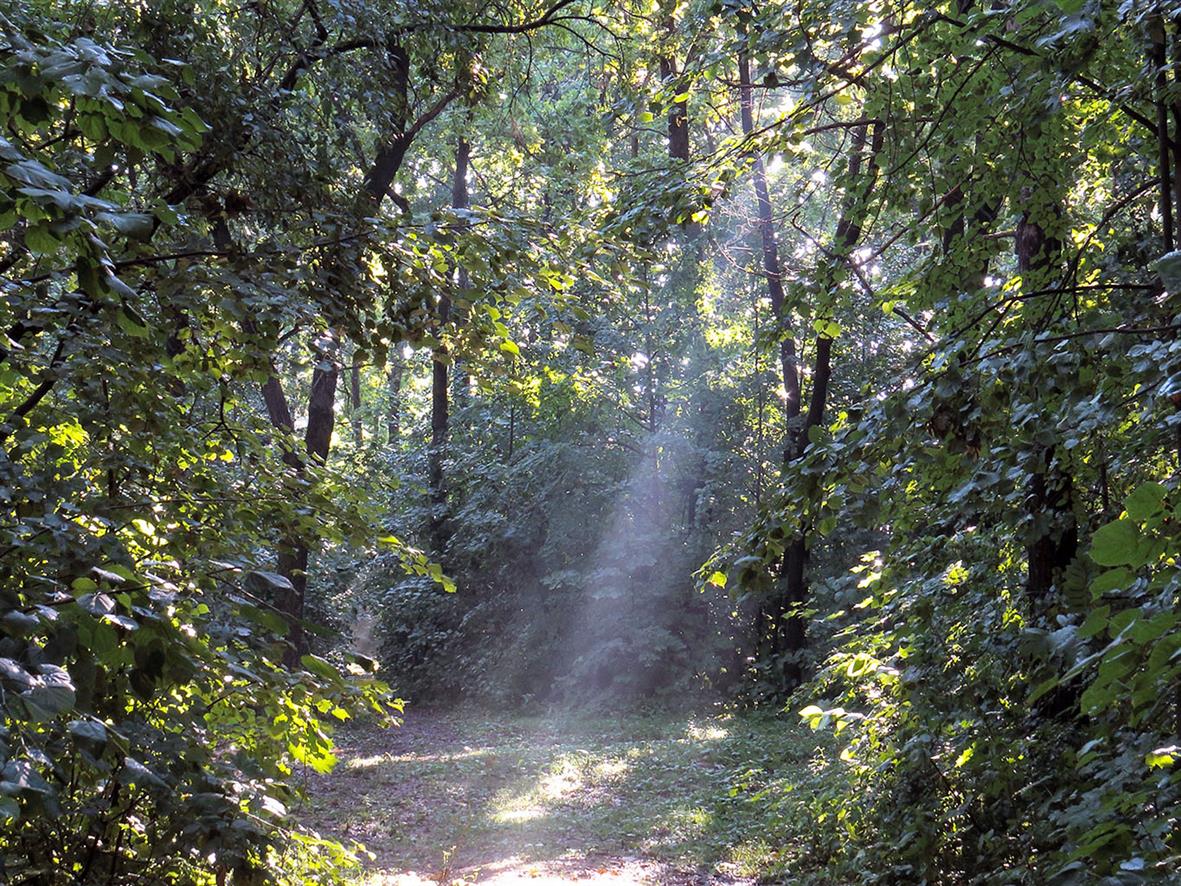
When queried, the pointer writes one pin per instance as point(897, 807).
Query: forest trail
point(468, 798)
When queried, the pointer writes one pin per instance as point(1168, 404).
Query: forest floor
point(461, 798)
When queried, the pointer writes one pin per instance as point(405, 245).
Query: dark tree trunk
point(781, 636)
point(438, 489)
point(785, 621)
point(772, 272)
point(394, 393)
point(292, 555)
point(793, 627)
point(292, 564)
point(391, 150)
point(1176, 115)
point(460, 199)
point(863, 173)
point(1051, 491)
point(678, 111)
point(678, 125)
point(1051, 508)
point(512, 433)
point(1158, 56)
point(440, 407)
point(322, 406)
point(355, 401)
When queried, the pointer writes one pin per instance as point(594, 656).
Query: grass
point(459, 795)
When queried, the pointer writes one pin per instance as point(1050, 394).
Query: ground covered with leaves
point(453, 797)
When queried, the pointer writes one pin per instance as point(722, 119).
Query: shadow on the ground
point(635, 800)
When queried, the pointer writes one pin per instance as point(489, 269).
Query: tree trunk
point(782, 636)
point(322, 406)
point(394, 392)
point(435, 468)
point(355, 401)
point(772, 271)
point(1050, 501)
point(1158, 56)
point(786, 621)
point(292, 555)
point(439, 528)
point(460, 199)
point(678, 124)
point(678, 116)
point(678, 112)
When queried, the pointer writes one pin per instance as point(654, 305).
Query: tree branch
point(37, 395)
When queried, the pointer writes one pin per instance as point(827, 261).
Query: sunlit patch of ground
point(468, 798)
point(512, 871)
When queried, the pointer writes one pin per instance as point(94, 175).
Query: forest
point(623, 441)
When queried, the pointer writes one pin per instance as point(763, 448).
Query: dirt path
point(469, 799)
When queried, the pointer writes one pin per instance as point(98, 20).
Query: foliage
point(821, 353)
point(149, 730)
point(1001, 729)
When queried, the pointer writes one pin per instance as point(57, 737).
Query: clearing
point(465, 797)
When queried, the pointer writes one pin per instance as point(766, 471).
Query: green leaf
point(136, 773)
point(19, 624)
point(166, 214)
point(1146, 501)
point(1116, 544)
point(130, 324)
point(14, 672)
point(1168, 266)
point(1162, 757)
point(63, 200)
point(261, 581)
point(51, 694)
point(1095, 623)
point(1112, 580)
point(826, 328)
point(319, 758)
point(136, 225)
point(19, 777)
point(272, 621)
point(97, 605)
point(121, 289)
point(1042, 688)
point(321, 668)
point(1097, 696)
point(91, 731)
point(30, 172)
point(813, 715)
point(39, 240)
